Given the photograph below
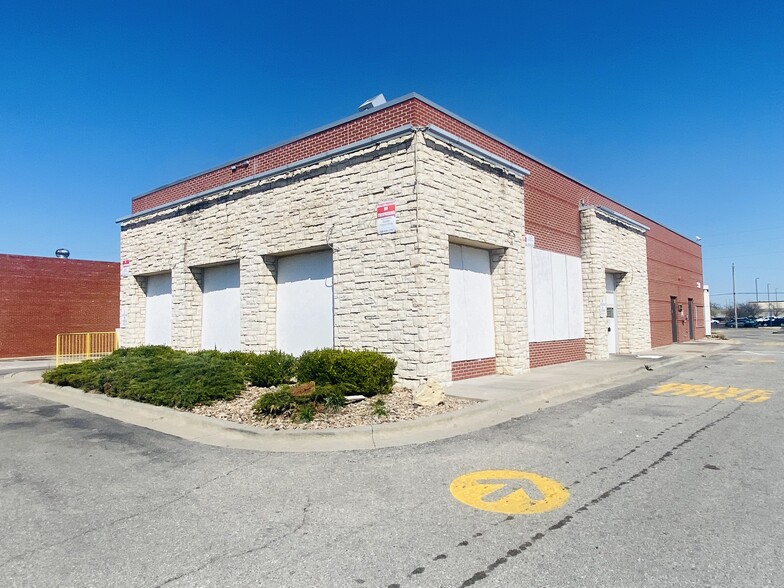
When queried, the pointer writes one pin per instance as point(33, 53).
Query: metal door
point(612, 320)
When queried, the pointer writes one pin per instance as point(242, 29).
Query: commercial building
point(407, 229)
point(41, 297)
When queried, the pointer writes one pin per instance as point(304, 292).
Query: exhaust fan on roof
point(372, 102)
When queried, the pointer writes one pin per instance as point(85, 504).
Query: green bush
point(272, 369)
point(267, 369)
point(275, 403)
point(369, 372)
point(156, 375)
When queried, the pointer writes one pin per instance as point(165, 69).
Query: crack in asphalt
point(113, 522)
point(233, 555)
point(483, 574)
point(643, 443)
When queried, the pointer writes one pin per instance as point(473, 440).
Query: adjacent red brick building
point(42, 296)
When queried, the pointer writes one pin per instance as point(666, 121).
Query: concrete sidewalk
point(26, 364)
point(502, 398)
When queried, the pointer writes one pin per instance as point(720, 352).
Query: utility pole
point(756, 291)
point(734, 300)
point(768, 299)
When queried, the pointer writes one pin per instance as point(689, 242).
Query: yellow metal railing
point(76, 347)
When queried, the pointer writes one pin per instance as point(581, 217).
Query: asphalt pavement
point(668, 479)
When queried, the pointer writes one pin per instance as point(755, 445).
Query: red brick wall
point(473, 368)
point(43, 296)
point(551, 203)
point(552, 352)
point(374, 123)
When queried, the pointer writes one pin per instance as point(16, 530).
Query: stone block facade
point(391, 291)
point(614, 244)
point(452, 183)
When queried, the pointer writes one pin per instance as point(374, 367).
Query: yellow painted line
point(506, 491)
point(755, 360)
point(750, 395)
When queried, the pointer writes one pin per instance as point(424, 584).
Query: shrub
point(272, 369)
point(275, 403)
point(84, 375)
point(369, 372)
point(156, 375)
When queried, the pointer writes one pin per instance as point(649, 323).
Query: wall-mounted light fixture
point(243, 165)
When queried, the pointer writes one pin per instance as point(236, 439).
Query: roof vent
point(372, 102)
point(62, 253)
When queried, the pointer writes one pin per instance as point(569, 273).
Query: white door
point(305, 308)
point(609, 301)
point(470, 303)
point(157, 327)
point(220, 318)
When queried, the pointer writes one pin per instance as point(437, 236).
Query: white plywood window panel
point(305, 302)
point(220, 319)
point(574, 303)
point(543, 304)
point(560, 297)
point(157, 327)
point(555, 296)
point(470, 303)
point(529, 292)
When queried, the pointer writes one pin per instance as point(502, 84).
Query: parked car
point(743, 323)
point(777, 321)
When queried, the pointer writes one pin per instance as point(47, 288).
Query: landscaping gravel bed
point(398, 404)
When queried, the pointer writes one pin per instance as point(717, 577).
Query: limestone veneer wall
point(611, 245)
point(464, 200)
point(390, 291)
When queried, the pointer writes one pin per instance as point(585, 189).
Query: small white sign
point(125, 268)
point(530, 241)
point(386, 218)
point(123, 317)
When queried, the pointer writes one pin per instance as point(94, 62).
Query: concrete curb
point(211, 431)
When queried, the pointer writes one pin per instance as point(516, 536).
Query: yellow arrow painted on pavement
point(505, 491)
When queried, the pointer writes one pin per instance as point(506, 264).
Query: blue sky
point(675, 109)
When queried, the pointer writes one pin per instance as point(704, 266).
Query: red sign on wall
point(386, 218)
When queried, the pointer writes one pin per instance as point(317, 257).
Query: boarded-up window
point(305, 308)
point(555, 296)
point(220, 321)
point(157, 327)
point(470, 303)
